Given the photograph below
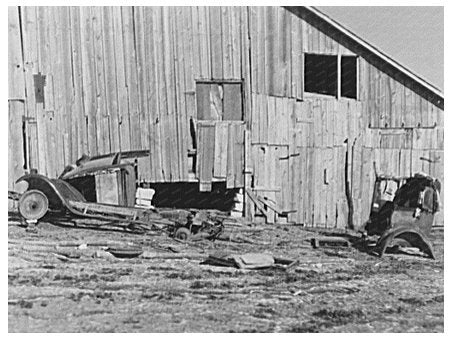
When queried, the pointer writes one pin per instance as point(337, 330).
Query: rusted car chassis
point(55, 195)
point(403, 211)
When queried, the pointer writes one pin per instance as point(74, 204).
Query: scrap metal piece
point(406, 217)
point(125, 252)
point(405, 235)
point(329, 242)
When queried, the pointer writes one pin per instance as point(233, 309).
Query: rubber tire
point(182, 233)
point(33, 205)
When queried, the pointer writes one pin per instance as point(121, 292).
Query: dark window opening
point(320, 74)
point(348, 77)
point(219, 101)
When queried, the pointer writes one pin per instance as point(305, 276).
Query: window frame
point(338, 95)
point(222, 82)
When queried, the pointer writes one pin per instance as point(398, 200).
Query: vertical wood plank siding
point(125, 78)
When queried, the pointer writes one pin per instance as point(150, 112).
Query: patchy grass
point(329, 290)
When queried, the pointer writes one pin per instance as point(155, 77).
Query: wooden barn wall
point(303, 154)
point(124, 78)
point(120, 78)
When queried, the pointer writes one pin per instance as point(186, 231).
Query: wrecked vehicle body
point(56, 196)
point(105, 188)
point(402, 212)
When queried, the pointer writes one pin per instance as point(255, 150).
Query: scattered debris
point(329, 242)
point(246, 261)
point(125, 252)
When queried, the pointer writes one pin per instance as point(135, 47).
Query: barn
point(282, 106)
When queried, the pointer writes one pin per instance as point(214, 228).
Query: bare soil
point(56, 288)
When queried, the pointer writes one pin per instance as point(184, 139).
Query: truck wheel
point(182, 233)
point(33, 205)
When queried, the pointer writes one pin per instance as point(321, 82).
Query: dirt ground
point(57, 288)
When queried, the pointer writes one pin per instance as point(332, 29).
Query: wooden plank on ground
point(256, 202)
